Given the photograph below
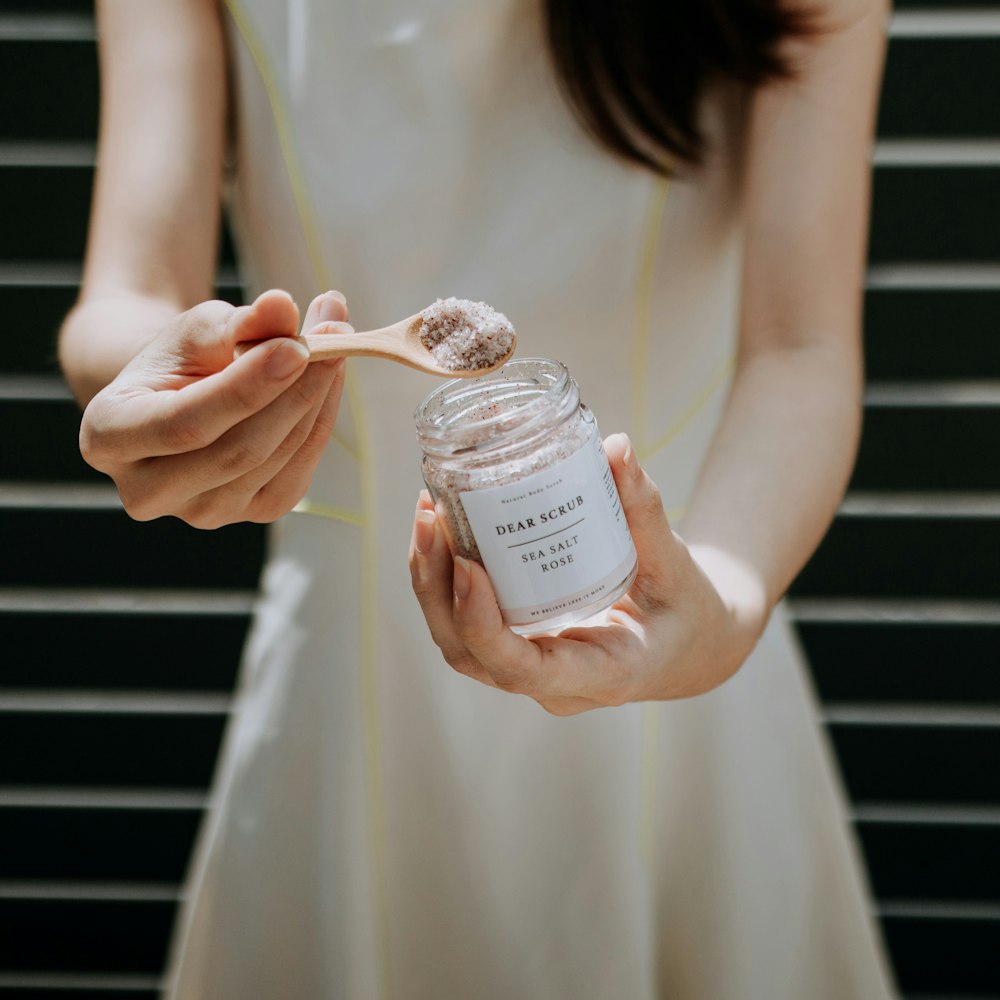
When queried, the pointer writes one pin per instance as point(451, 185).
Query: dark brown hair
point(634, 71)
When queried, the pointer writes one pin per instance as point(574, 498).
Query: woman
point(384, 828)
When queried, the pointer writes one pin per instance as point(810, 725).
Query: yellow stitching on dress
point(643, 313)
point(293, 169)
point(369, 681)
point(717, 378)
point(643, 309)
point(318, 509)
point(369, 591)
point(286, 138)
point(344, 443)
point(647, 778)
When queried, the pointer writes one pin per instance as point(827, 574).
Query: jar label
point(556, 539)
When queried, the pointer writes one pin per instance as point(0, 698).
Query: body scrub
point(515, 462)
point(463, 335)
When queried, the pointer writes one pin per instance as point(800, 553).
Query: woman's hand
point(687, 623)
point(186, 430)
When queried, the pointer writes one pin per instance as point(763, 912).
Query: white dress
point(384, 828)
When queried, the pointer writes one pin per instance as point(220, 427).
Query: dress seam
point(365, 520)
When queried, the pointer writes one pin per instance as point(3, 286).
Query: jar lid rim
point(527, 387)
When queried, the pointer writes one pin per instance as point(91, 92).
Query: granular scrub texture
point(463, 335)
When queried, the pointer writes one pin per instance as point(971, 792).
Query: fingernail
point(462, 581)
point(286, 357)
point(331, 309)
point(423, 531)
point(338, 327)
point(630, 461)
point(268, 292)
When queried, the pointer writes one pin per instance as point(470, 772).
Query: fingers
point(287, 476)
point(581, 667)
point(183, 391)
point(256, 472)
point(262, 466)
point(511, 661)
point(218, 392)
point(327, 313)
point(658, 548)
point(566, 673)
point(272, 314)
point(278, 494)
point(431, 575)
point(330, 307)
point(465, 622)
point(187, 430)
point(209, 407)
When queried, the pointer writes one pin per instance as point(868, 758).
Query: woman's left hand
point(687, 623)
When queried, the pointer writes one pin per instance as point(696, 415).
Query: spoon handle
point(321, 346)
point(367, 344)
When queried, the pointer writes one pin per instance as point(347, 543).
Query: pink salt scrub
point(462, 335)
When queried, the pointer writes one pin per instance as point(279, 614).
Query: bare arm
point(181, 427)
point(155, 214)
point(782, 454)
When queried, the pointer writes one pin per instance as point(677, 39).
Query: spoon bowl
point(399, 342)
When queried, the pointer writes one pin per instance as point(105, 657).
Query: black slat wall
point(121, 640)
point(899, 609)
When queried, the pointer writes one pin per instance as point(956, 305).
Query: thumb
point(185, 388)
point(658, 548)
point(202, 340)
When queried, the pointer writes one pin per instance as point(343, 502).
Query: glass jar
point(515, 464)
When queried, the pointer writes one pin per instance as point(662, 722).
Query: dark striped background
point(105, 759)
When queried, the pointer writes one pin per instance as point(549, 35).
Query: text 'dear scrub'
point(515, 462)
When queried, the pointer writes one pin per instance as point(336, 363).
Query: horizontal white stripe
point(920, 910)
point(911, 714)
point(858, 504)
point(936, 153)
point(33, 387)
point(77, 981)
point(964, 392)
point(113, 702)
point(886, 152)
point(118, 892)
point(944, 277)
point(15, 796)
point(122, 601)
point(894, 611)
point(47, 154)
point(945, 23)
point(59, 496)
point(15, 273)
point(47, 27)
point(904, 814)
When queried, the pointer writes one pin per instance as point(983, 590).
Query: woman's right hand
point(186, 430)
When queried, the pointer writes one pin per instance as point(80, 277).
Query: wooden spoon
point(400, 342)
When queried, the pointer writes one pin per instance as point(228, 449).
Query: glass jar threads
point(515, 463)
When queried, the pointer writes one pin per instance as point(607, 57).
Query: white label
point(555, 539)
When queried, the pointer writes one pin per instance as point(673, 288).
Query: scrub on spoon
point(452, 337)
